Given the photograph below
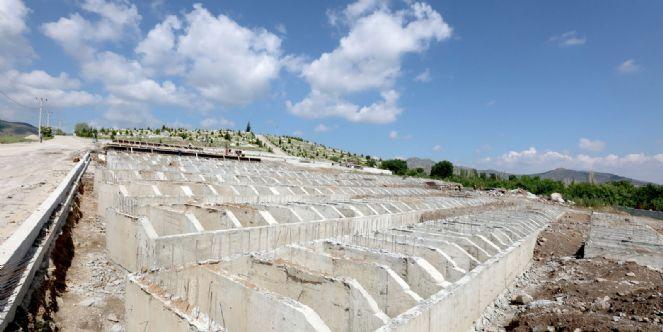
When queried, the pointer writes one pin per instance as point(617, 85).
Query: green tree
point(46, 132)
point(442, 169)
point(82, 129)
point(396, 166)
point(248, 127)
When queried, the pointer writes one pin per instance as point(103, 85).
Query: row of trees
point(441, 170)
point(621, 193)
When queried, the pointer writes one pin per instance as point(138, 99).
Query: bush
point(621, 193)
point(82, 129)
point(418, 172)
point(442, 169)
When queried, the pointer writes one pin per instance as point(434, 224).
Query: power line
point(14, 101)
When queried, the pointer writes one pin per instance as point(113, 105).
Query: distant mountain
point(569, 175)
point(558, 174)
point(8, 128)
point(414, 162)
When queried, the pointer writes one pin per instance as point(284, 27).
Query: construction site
point(155, 237)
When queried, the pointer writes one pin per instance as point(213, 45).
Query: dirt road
point(275, 149)
point(29, 172)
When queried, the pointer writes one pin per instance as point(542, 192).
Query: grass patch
point(8, 139)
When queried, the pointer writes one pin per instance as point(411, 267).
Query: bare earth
point(571, 293)
point(29, 172)
point(94, 296)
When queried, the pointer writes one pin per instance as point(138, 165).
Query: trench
point(36, 313)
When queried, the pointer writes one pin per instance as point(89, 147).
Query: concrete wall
point(624, 238)
point(146, 312)
point(205, 300)
point(176, 250)
point(455, 308)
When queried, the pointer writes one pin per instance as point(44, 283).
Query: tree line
point(620, 193)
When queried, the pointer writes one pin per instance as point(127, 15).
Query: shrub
point(396, 166)
point(82, 129)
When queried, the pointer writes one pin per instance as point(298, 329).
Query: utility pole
point(41, 101)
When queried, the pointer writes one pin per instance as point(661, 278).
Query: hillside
point(222, 138)
point(426, 164)
point(299, 147)
point(558, 174)
point(235, 139)
point(8, 128)
point(569, 175)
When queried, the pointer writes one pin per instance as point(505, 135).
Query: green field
point(8, 139)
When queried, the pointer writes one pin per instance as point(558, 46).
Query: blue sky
point(519, 86)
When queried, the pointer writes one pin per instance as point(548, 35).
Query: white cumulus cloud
point(591, 145)
point(157, 50)
point(127, 79)
point(229, 63)
point(195, 60)
point(14, 47)
point(62, 91)
point(223, 61)
point(116, 21)
point(368, 58)
point(629, 66)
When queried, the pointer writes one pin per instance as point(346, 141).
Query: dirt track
point(29, 172)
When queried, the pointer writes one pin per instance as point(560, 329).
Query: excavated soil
point(81, 289)
point(94, 295)
point(570, 293)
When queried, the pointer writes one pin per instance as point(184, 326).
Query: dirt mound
point(594, 295)
point(563, 238)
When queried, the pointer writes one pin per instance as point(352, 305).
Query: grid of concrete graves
point(230, 245)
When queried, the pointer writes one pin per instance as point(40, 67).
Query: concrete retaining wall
point(455, 308)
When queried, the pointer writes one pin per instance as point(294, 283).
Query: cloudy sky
point(519, 86)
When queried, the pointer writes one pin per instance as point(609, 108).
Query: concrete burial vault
point(218, 245)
